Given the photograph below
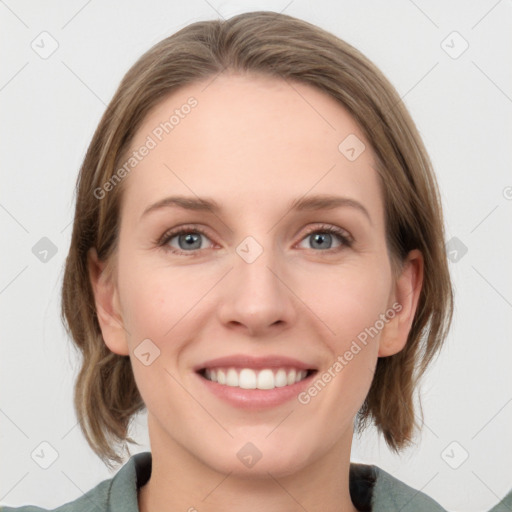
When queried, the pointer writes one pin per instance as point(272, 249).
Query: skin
point(253, 144)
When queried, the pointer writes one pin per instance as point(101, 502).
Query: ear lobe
point(107, 304)
point(407, 292)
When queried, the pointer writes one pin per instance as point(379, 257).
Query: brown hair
point(106, 396)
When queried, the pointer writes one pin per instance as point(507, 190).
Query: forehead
point(249, 140)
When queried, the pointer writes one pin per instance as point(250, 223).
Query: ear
point(107, 303)
point(405, 300)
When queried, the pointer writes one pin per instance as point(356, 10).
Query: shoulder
point(95, 499)
point(391, 494)
point(505, 505)
point(374, 490)
point(117, 494)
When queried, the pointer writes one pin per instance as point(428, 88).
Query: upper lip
point(246, 361)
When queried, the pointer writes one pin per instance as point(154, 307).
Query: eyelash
point(345, 239)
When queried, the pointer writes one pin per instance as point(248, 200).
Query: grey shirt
point(371, 489)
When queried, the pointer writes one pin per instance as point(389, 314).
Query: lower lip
point(256, 398)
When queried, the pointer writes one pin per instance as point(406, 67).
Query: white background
point(463, 109)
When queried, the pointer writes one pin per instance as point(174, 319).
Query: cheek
point(157, 303)
point(157, 300)
point(351, 309)
point(352, 300)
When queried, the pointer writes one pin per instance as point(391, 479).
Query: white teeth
point(265, 379)
point(280, 379)
point(232, 377)
point(247, 378)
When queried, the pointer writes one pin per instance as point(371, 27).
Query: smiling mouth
point(248, 378)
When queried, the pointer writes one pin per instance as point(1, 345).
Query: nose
point(257, 294)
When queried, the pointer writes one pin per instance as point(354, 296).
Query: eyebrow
point(312, 202)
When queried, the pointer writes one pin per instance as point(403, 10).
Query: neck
point(179, 481)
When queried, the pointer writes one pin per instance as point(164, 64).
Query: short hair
point(277, 45)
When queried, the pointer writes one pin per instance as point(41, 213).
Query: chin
point(259, 458)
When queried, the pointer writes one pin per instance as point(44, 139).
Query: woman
point(198, 286)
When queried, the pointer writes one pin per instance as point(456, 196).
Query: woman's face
point(254, 289)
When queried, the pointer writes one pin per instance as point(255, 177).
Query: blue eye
point(325, 234)
point(190, 243)
point(189, 240)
